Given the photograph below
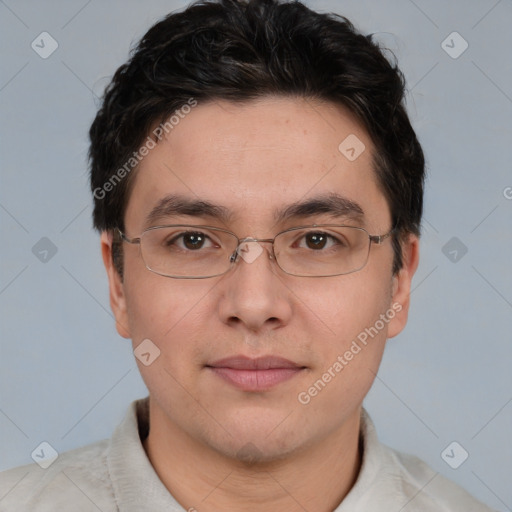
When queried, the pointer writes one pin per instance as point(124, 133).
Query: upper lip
point(259, 363)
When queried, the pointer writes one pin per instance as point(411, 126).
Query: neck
point(317, 477)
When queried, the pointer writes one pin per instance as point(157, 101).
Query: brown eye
point(190, 240)
point(316, 240)
point(319, 240)
point(193, 241)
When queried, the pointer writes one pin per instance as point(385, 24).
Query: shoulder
point(79, 477)
point(392, 480)
point(427, 489)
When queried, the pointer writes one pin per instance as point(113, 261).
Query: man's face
point(253, 160)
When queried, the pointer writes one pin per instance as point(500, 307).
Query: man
point(258, 189)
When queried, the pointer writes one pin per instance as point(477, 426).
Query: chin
point(255, 446)
point(256, 454)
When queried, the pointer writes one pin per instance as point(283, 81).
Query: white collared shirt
point(116, 476)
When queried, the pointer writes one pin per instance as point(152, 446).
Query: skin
point(214, 446)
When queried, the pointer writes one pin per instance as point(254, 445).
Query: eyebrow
point(334, 205)
point(177, 205)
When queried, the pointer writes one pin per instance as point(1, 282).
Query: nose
point(253, 295)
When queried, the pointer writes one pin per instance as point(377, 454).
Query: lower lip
point(256, 380)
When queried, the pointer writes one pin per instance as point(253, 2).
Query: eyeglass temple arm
point(126, 239)
point(378, 239)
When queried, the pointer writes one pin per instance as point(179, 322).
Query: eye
point(318, 240)
point(190, 240)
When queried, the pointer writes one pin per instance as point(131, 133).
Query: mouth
point(258, 374)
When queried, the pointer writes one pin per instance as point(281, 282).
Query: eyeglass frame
point(376, 239)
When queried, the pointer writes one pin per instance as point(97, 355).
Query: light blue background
point(67, 377)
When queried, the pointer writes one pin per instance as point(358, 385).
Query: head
point(244, 106)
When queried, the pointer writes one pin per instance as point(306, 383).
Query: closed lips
point(259, 363)
point(255, 375)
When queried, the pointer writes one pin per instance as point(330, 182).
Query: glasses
point(199, 252)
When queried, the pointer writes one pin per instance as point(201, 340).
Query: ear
point(401, 287)
point(117, 297)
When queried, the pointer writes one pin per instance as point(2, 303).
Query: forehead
point(257, 157)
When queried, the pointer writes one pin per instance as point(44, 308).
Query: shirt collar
point(137, 487)
point(374, 472)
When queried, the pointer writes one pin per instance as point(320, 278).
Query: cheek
point(357, 317)
point(177, 315)
point(346, 305)
point(171, 314)
point(353, 314)
point(156, 304)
